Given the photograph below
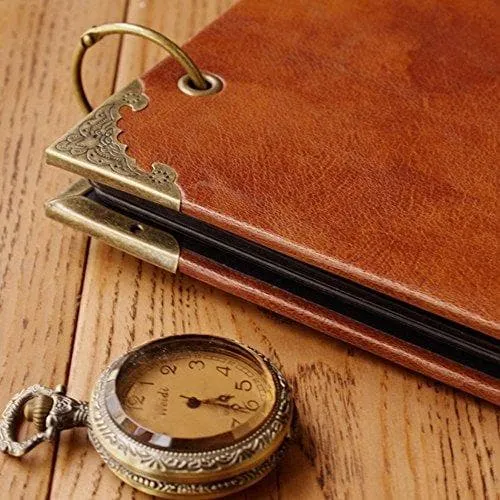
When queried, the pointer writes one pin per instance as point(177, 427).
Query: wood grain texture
point(41, 264)
point(368, 429)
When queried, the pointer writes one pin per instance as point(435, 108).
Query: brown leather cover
point(355, 136)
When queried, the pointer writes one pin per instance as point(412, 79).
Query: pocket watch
point(183, 416)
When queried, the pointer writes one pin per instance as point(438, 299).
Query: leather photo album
point(343, 175)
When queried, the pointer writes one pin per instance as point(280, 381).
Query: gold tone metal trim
point(200, 491)
point(92, 150)
point(147, 243)
point(96, 33)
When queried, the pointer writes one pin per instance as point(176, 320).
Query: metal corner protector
point(152, 245)
point(92, 150)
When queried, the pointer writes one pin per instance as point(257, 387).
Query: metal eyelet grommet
point(215, 84)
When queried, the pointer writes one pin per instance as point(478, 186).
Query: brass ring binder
point(90, 37)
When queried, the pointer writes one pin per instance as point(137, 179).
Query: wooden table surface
point(68, 306)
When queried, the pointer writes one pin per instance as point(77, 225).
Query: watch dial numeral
point(252, 405)
point(223, 369)
point(134, 402)
point(196, 364)
point(244, 385)
point(166, 369)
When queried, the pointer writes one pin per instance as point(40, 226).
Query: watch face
point(191, 392)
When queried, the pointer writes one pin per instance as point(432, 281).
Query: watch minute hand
point(233, 407)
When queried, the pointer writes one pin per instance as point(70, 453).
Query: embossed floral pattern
point(95, 140)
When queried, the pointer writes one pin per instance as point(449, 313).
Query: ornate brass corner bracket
point(92, 150)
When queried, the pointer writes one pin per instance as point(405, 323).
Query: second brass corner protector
point(75, 209)
point(92, 150)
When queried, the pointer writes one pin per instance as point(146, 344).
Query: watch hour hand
point(223, 398)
